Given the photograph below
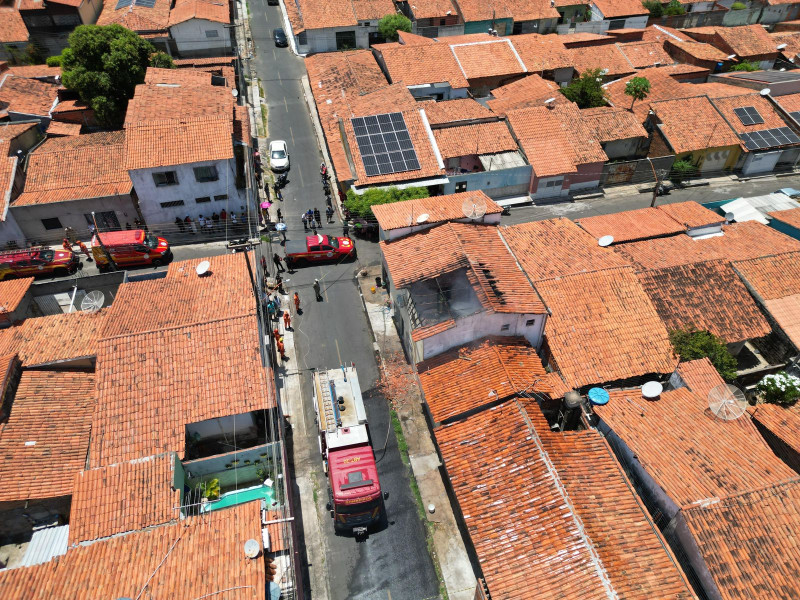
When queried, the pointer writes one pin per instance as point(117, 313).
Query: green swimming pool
point(240, 496)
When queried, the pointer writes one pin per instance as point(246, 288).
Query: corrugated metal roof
point(45, 545)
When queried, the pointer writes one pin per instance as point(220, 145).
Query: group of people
point(67, 245)
point(207, 224)
point(313, 218)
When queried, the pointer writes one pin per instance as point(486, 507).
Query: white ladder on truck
point(327, 402)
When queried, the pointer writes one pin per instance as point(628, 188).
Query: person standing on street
point(264, 266)
point(287, 321)
point(201, 222)
point(66, 245)
point(345, 229)
point(305, 221)
point(276, 258)
point(329, 213)
point(85, 250)
point(179, 223)
point(297, 304)
point(317, 217)
point(317, 290)
point(280, 216)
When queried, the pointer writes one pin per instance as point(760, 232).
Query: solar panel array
point(146, 3)
point(384, 144)
point(769, 138)
point(123, 4)
point(748, 115)
point(795, 115)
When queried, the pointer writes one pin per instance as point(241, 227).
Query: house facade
point(201, 28)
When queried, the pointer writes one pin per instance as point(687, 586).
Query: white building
point(618, 14)
point(200, 27)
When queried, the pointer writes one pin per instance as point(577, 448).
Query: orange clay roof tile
point(542, 52)
point(137, 17)
point(559, 496)
point(607, 56)
point(744, 41)
point(789, 102)
point(423, 64)
point(340, 13)
point(12, 292)
point(165, 561)
point(707, 296)
point(34, 71)
point(452, 111)
point(700, 376)
point(781, 421)
point(790, 216)
point(691, 214)
point(56, 128)
point(619, 8)
point(175, 142)
point(557, 247)
point(523, 93)
point(479, 138)
point(610, 123)
point(691, 124)
point(155, 76)
point(12, 27)
point(27, 96)
point(772, 119)
point(604, 328)
point(631, 225)
point(697, 456)
point(396, 215)
point(478, 374)
point(645, 54)
point(186, 101)
point(494, 58)
point(110, 500)
point(45, 441)
point(700, 50)
point(216, 11)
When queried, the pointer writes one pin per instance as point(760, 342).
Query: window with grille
point(172, 203)
point(165, 178)
point(202, 174)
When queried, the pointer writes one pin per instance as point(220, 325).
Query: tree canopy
point(745, 66)
point(104, 64)
point(587, 90)
point(691, 344)
point(361, 205)
point(389, 25)
point(637, 88)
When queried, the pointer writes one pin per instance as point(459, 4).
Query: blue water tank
point(598, 396)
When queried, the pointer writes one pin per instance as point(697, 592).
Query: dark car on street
point(280, 37)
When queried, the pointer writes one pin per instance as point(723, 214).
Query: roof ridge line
point(711, 502)
point(182, 326)
point(596, 561)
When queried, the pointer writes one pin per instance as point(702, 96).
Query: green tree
point(587, 90)
point(682, 170)
point(691, 344)
point(361, 205)
point(745, 66)
point(637, 88)
point(738, 6)
point(674, 8)
point(104, 64)
point(389, 25)
point(162, 60)
point(655, 8)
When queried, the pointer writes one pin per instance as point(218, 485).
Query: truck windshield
point(46, 255)
point(354, 509)
point(333, 242)
point(151, 241)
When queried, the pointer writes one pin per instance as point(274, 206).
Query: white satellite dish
point(727, 402)
point(652, 389)
point(93, 301)
point(606, 240)
point(474, 208)
point(765, 92)
point(203, 268)
point(235, 92)
point(251, 548)
point(729, 217)
point(423, 217)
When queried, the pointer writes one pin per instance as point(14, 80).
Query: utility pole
point(659, 177)
point(111, 264)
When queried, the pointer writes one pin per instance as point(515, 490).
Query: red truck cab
point(318, 248)
point(355, 486)
point(131, 247)
point(30, 262)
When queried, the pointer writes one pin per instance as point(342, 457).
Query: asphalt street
point(393, 563)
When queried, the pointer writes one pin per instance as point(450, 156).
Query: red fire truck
point(355, 499)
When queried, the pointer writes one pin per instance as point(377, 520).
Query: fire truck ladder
point(329, 407)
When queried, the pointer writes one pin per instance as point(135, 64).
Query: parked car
point(318, 248)
point(278, 155)
point(31, 262)
point(280, 37)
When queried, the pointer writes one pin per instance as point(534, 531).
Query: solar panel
point(795, 115)
point(123, 4)
point(769, 138)
point(384, 144)
point(146, 3)
point(748, 115)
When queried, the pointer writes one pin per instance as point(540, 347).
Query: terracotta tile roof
point(478, 374)
point(772, 119)
point(241, 125)
point(691, 124)
point(159, 561)
point(789, 102)
point(480, 138)
point(708, 296)
point(475, 10)
point(8, 168)
point(12, 27)
point(27, 96)
point(700, 50)
point(69, 106)
point(277, 539)
point(45, 440)
point(207, 61)
point(700, 376)
point(217, 11)
point(56, 128)
point(421, 333)
point(10, 130)
point(523, 93)
point(12, 292)
point(744, 41)
point(396, 215)
point(783, 422)
point(697, 456)
point(423, 64)
point(609, 123)
point(747, 542)
point(429, 164)
point(542, 52)
point(178, 142)
point(488, 59)
point(790, 216)
point(123, 497)
point(619, 8)
point(226, 292)
point(341, 13)
point(691, 214)
point(631, 225)
point(55, 338)
point(34, 71)
point(645, 54)
point(335, 78)
point(604, 328)
point(607, 56)
point(452, 111)
point(431, 9)
point(660, 33)
point(96, 169)
point(741, 241)
point(573, 526)
point(555, 141)
point(154, 76)
point(580, 36)
point(146, 399)
point(478, 249)
point(137, 17)
point(557, 247)
point(156, 103)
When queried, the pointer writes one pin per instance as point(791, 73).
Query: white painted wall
point(633, 22)
point(190, 37)
point(621, 148)
point(434, 89)
point(324, 40)
point(10, 231)
point(779, 13)
point(150, 196)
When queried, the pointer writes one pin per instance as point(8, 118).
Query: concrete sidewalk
point(450, 552)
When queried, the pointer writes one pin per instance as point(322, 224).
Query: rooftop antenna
point(727, 402)
point(202, 268)
point(93, 301)
point(606, 240)
point(474, 208)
